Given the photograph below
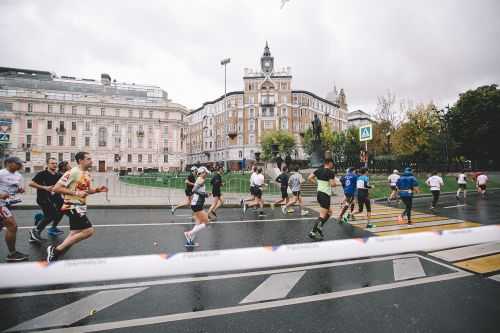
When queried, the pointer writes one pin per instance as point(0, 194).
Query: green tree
point(474, 122)
point(285, 143)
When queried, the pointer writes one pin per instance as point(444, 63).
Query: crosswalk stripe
point(416, 225)
point(433, 228)
point(408, 268)
point(275, 286)
point(378, 219)
point(481, 265)
point(495, 277)
point(76, 311)
point(467, 252)
point(416, 220)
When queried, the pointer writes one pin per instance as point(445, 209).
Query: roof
point(239, 92)
point(315, 96)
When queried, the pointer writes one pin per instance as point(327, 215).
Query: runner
point(190, 180)
point(75, 185)
point(363, 185)
point(10, 187)
point(407, 184)
point(349, 182)
point(462, 185)
point(393, 179)
point(282, 179)
point(216, 193)
point(294, 183)
point(197, 203)
point(325, 178)
point(435, 182)
point(481, 182)
point(258, 181)
point(49, 202)
point(252, 187)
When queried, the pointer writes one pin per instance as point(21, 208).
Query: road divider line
point(467, 252)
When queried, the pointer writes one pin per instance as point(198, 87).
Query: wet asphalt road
point(356, 296)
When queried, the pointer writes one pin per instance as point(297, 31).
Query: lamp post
point(443, 123)
point(224, 63)
point(388, 135)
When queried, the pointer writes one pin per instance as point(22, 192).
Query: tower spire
point(267, 53)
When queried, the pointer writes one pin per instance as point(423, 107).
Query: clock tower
point(267, 61)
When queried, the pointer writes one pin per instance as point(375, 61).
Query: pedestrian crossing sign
point(365, 133)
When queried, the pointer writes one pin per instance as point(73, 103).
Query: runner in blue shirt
point(349, 185)
point(407, 184)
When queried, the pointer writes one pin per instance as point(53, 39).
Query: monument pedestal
point(317, 155)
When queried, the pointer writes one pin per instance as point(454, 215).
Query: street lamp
point(443, 123)
point(224, 63)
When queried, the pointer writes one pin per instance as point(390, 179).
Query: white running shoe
point(304, 213)
point(244, 207)
point(188, 237)
point(283, 210)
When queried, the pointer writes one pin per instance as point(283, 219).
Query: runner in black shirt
point(216, 193)
point(49, 202)
point(282, 179)
point(190, 180)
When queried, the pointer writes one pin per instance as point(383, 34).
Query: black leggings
point(435, 197)
point(408, 203)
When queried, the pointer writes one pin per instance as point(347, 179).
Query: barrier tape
point(205, 262)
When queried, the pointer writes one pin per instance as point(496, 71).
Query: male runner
point(190, 180)
point(325, 178)
point(197, 203)
point(10, 186)
point(49, 202)
point(282, 179)
point(407, 184)
point(349, 184)
point(258, 181)
point(393, 179)
point(252, 187)
point(434, 182)
point(481, 182)
point(294, 183)
point(462, 185)
point(75, 185)
point(363, 185)
point(216, 193)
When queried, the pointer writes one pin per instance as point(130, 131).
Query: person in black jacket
point(282, 179)
point(218, 200)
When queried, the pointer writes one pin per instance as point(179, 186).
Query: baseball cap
point(395, 171)
point(203, 169)
point(13, 159)
point(193, 168)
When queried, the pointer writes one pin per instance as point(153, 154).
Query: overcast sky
point(421, 50)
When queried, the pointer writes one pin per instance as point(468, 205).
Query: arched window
point(103, 134)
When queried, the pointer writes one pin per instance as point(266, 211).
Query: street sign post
point(366, 134)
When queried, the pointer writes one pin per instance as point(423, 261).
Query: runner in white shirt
point(481, 182)
point(258, 185)
point(393, 179)
point(435, 182)
point(252, 187)
point(294, 184)
point(462, 184)
point(10, 187)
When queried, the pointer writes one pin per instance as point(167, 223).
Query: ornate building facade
point(126, 127)
point(229, 128)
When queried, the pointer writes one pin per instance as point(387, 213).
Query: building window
point(150, 129)
point(30, 107)
point(240, 154)
point(87, 110)
point(117, 128)
point(165, 131)
point(284, 112)
point(139, 158)
point(72, 157)
point(61, 108)
point(87, 141)
point(150, 158)
point(130, 113)
point(103, 112)
point(28, 140)
point(268, 124)
point(165, 158)
point(73, 141)
point(61, 126)
point(87, 126)
point(49, 124)
point(284, 124)
point(129, 130)
point(28, 156)
point(150, 143)
point(141, 114)
point(29, 123)
point(129, 142)
point(49, 140)
point(102, 136)
point(49, 108)
point(117, 157)
point(150, 114)
point(129, 158)
point(140, 142)
point(47, 156)
point(73, 109)
point(60, 157)
point(117, 112)
point(61, 140)
point(251, 125)
point(240, 139)
point(73, 125)
point(117, 142)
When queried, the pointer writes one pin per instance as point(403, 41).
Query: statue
point(316, 127)
point(317, 156)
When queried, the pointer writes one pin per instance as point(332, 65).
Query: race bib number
point(82, 210)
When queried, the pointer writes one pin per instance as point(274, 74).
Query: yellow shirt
point(75, 180)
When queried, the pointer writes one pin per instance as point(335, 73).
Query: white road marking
point(408, 268)
point(393, 218)
point(495, 277)
point(255, 306)
point(274, 287)
point(453, 206)
point(467, 252)
point(76, 311)
point(415, 225)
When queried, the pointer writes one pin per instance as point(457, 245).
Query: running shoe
point(369, 225)
point(457, 197)
point(51, 254)
point(261, 213)
point(319, 231)
point(212, 216)
point(304, 213)
point(290, 210)
point(315, 236)
point(345, 219)
point(432, 207)
point(244, 207)
point(272, 205)
point(188, 237)
point(16, 256)
point(410, 222)
point(172, 209)
point(283, 210)
point(35, 236)
point(54, 231)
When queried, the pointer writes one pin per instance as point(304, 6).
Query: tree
point(284, 140)
point(474, 122)
point(386, 110)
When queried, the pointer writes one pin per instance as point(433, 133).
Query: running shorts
point(78, 220)
point(394, 188)
point(284, 193)
point(5, 212)
point(364, 200)
point(188, 192)
point(216, 192)
point(296, 193)
point(252, 190)
point(196, 208)
point(462, 186)
point(483, 187)
point(257, 192)
point(323, 200)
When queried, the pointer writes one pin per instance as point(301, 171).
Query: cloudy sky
point(421, 50)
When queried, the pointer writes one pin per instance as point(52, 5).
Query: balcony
point(26, 146)
point(232, 132)
point(140, 134)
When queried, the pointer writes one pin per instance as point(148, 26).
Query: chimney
point(105, 79)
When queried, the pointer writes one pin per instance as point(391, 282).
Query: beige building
point(124, 126)
point(229, 129)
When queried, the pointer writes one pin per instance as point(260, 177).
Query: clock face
point(267, 64)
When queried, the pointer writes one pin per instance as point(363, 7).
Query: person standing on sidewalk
point(393, 179)
point(462, 185)
point(10, 187)
point(282, 179)
point(481, 182)
point(197, 203)
point(434, 182)
point(294, 183)
point(407, 185)
point(190, 180)
point(75, 185)
point(48, 201)
point(218, 200)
